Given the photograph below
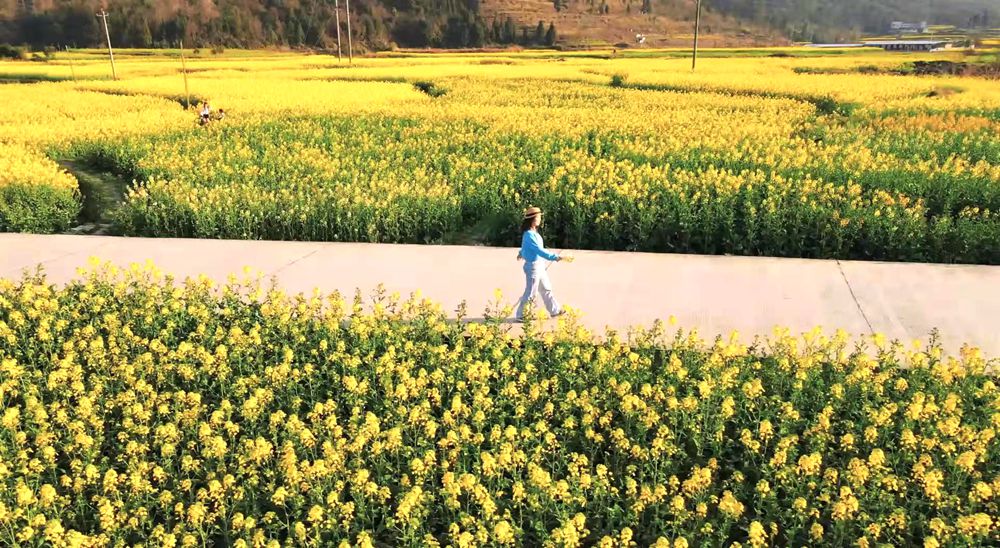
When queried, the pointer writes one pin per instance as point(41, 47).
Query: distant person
point(535, 256)
point(206, 113)
point(222, 114)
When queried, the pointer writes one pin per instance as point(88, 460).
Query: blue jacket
point(532, 248)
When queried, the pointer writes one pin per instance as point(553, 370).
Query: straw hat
point(532, 211)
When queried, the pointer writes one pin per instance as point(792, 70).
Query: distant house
point(901, 27)
point(910, 45)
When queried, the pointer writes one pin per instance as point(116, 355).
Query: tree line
point(375, 24)
point(381, 24)
point(831, 20)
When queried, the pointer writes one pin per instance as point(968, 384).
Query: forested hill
point(805, 19)
point(379, 24)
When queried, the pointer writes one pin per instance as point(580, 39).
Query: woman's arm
point(535, 241)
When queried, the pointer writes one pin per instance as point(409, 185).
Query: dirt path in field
point(713, 294)
point(101, 193)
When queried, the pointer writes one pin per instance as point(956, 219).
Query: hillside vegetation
point(380, 24)
point(827, 20)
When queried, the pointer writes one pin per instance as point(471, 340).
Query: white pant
point(536, 281)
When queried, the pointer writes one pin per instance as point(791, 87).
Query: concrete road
point(713, 294)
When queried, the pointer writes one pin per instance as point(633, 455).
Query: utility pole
point(697, 30)
point(187, 94)
point(350, 45)
point(336, 11)
point(72, 69)
point(104, 16)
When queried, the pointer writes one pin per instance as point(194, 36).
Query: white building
point(910, 45)
point(901, 27)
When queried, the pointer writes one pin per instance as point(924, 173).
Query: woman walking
point(536, 276)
